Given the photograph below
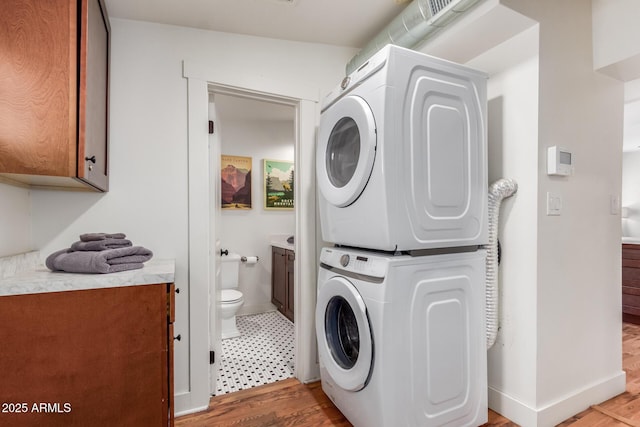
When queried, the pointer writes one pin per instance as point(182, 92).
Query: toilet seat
point(230, 295)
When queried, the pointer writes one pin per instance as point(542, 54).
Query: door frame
point(201, 80)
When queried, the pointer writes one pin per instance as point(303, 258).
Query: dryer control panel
point(354, 261)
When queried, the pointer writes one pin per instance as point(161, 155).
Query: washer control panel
point(354, 261)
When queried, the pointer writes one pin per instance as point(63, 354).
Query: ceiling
point(349, 23)
point(336, 22)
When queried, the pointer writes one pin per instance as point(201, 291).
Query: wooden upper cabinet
point(54, 76)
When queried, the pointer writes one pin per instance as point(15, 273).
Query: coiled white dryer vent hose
point(498, 191)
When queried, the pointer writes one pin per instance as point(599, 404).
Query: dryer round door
point(346, 150)
point(345, 341)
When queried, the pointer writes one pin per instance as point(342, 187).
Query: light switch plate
point(614, 204)
point(554, 204)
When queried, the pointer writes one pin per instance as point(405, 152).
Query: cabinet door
point(290, 285)
point(631, 283)
point(168, 374)
point(97, 357)
point(54, 86)
point(38, 87)
point(93, 95)
point(278, 277)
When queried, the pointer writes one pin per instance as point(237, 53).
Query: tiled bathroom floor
point(261, 355)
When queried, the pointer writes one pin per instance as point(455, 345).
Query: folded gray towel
point(100, 245)
point(107, 261)
point(90, 237)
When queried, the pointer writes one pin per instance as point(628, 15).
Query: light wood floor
point(290, 403)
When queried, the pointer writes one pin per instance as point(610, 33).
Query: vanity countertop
point(280, 241)
point(40, 279)
point(630, 240)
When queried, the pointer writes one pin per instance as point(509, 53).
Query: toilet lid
point(230, 295)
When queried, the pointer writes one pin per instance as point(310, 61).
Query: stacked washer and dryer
point(402, 173)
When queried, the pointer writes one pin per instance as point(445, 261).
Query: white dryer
point(401, 339)
point(401, 157)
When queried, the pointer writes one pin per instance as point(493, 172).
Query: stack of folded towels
point(99, 253)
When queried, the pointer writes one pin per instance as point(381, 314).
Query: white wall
point(554, 311)
point(631, 193)
point(248, 232)
point(513, 140)
point(581, 110)
point(616, 32)
point(148, 153)
point(15, 220)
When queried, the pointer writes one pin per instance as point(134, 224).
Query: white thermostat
point(559, 161)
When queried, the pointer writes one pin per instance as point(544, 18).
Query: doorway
point(252, 169)
point(204, 259)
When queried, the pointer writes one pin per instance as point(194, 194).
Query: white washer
point(401, 155)
point(401, 339)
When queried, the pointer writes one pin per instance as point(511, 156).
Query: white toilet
point(231, 298)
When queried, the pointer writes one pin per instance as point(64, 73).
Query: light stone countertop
point(40, 279)
point(280, 241)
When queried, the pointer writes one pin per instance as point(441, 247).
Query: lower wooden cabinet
point(101, 357)
point(282, 282)
point(631, 283)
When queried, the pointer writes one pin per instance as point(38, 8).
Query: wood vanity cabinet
point(100, 357)
point(54, 77)
point(631, 283)
point(282, 295)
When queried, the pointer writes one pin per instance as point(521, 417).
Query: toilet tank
point(229, 269)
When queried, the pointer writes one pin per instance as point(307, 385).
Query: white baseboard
point(558, 411)
point(183, 404)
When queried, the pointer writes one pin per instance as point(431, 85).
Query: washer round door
point(346, 150)
point(345, 341)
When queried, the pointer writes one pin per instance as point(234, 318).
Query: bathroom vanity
point(282, 282)
point(631, 282)
point(84, 349)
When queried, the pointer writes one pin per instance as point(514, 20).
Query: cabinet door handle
point(91, 159)
point(179, 337)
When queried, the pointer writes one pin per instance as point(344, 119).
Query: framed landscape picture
point(278, 184)
point(235, 173)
